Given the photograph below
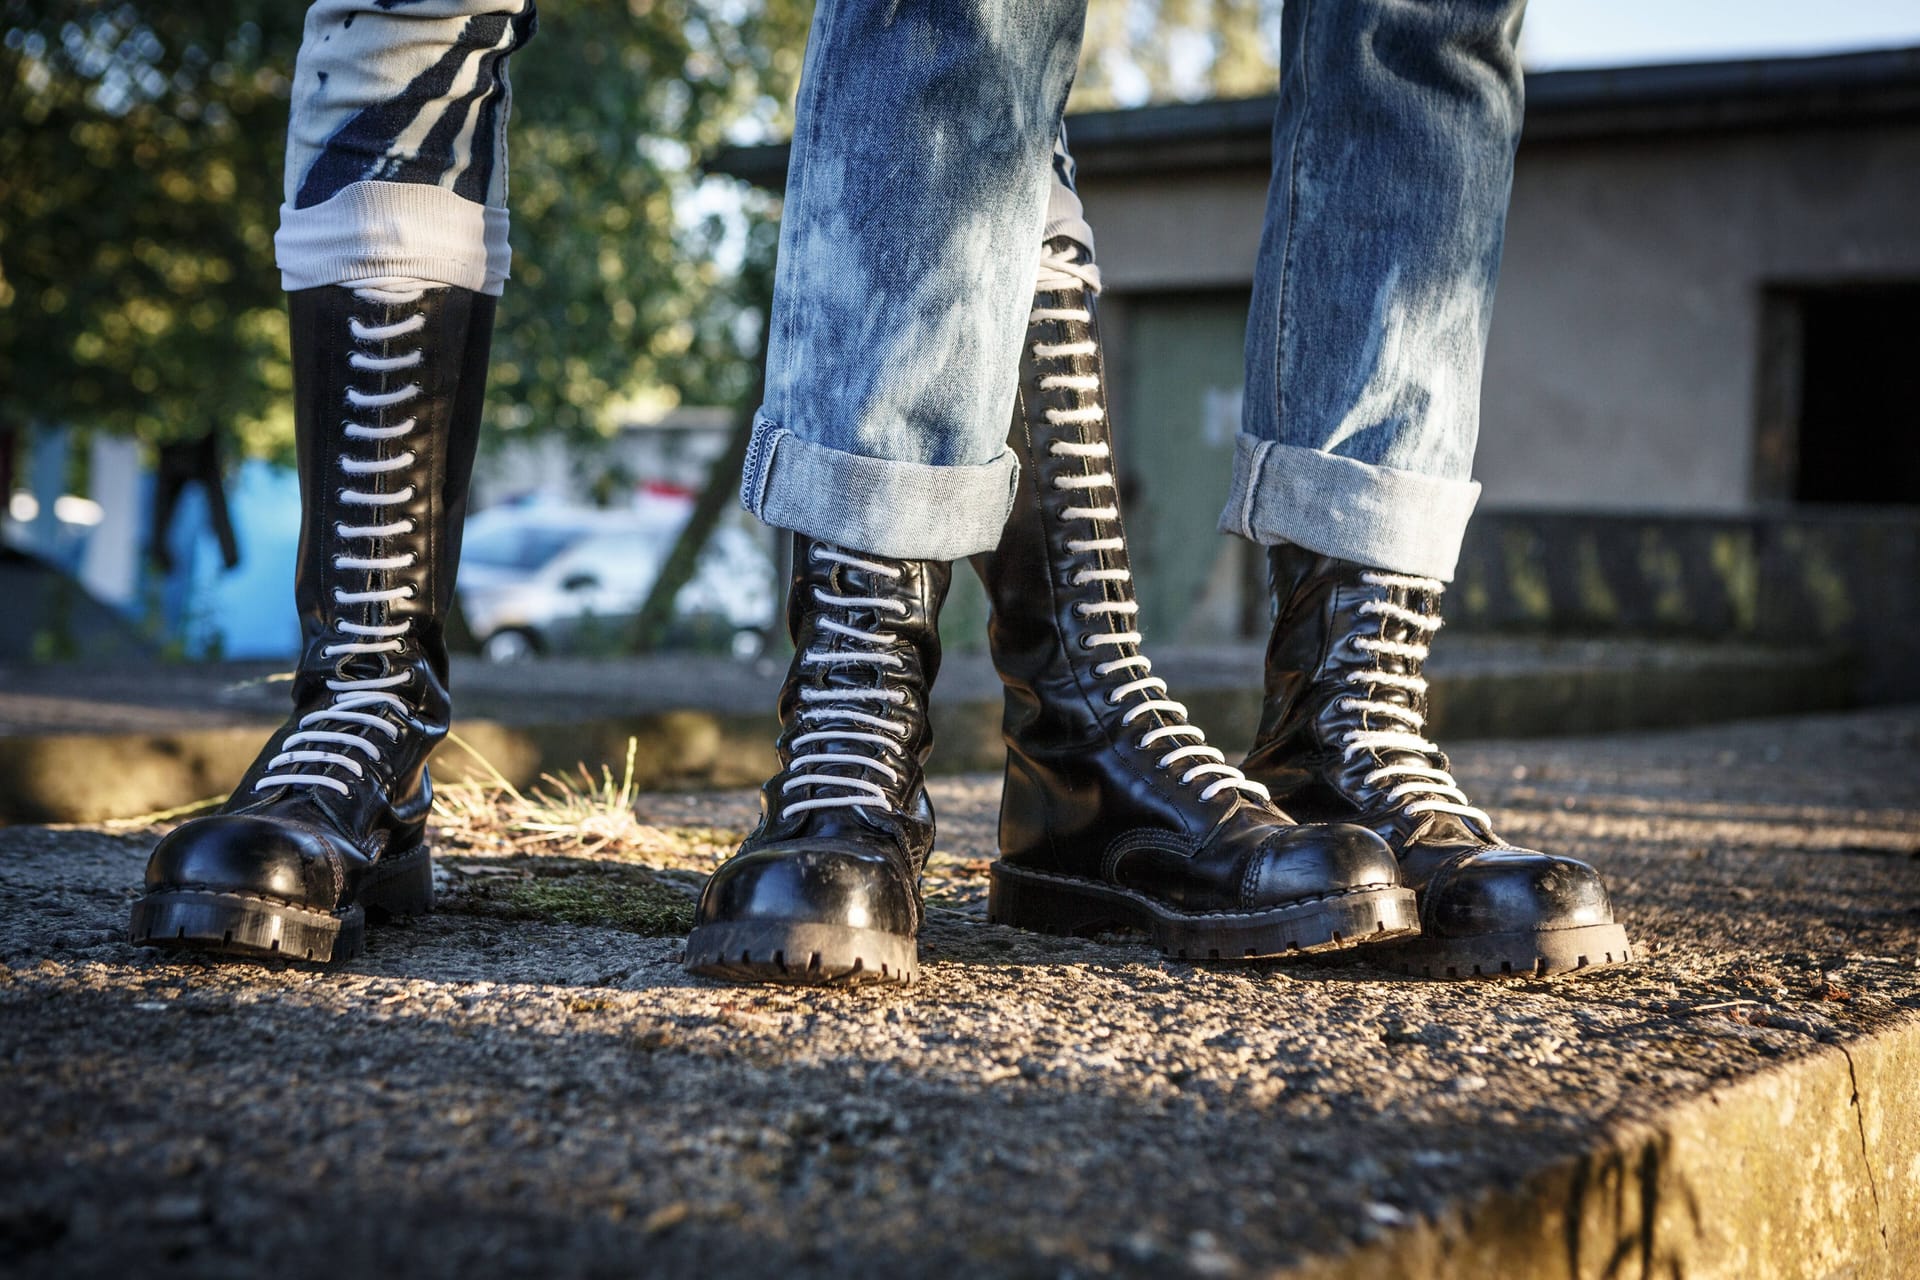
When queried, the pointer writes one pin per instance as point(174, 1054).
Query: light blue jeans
point(918, 192)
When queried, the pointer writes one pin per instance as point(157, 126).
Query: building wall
point(1175, 231)
point(1624, 361)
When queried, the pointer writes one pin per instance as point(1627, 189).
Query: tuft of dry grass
point(577, 814)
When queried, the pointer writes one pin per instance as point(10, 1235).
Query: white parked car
point(559, 579)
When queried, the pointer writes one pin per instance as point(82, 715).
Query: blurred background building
point(1699, 409)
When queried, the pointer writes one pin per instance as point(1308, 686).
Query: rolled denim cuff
point(1400, 521)
point(393, 229)
point(908, 510)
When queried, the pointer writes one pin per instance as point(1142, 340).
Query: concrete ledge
point(1847, 577)
point(527, 1083)
point(1812, 1169)
point(92, 777)
point(163, 745)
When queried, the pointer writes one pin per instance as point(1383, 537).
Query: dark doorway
point(1841, 402)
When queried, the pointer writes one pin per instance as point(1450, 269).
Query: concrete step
point(526, 1082)
point(85, 743)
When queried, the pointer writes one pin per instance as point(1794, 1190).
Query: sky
point(1599, 33)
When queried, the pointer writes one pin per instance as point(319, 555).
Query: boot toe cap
point(1505, 889)
point(809, 884)
point(238, 853)
point(1313, 861)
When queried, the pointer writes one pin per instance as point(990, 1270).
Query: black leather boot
point(827, 888)
point(1115, 811)
point(326, 827)
point(1341, 740)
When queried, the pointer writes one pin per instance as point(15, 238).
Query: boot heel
point(406, 889)
point(1039, 904)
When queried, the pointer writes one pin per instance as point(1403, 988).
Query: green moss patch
point(608, 897)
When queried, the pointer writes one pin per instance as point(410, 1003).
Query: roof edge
point(1585, 103)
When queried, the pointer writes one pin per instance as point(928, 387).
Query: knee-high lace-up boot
point(827, 888)
point(326, 827)
point(1342, 739)
point(1116, 811)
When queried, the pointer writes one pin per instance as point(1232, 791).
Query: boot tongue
point(363, 666)
point(844, 720)
point(1436, 826)
point(1395, 693)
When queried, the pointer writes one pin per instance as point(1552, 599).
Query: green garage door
point(1181, 407)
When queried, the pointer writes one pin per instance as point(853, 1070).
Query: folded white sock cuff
point(393, 229)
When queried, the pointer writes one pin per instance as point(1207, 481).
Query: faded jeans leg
point(1392, 164)
point(917, 191)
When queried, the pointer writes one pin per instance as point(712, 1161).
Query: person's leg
point(1393, 153)
point(1115, 809)
point(916, 195)
point(396, 148)
point(392, 247)
point(1392, 160)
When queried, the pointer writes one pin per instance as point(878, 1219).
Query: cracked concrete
point(526, 1083)
point(1866, 1150)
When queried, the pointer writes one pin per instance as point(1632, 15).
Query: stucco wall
point(1623, 366)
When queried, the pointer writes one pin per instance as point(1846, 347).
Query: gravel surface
point(526, 1083)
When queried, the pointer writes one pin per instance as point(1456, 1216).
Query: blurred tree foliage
point(140, 180)
point(1140, 51)
point(618, 289)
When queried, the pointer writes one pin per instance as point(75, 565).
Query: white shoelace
point(1438, 791)
point(355, 701)
point(1146, 690)
point(842, 707)
point(1059, 272)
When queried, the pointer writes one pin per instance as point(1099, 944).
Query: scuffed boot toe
point(268, 888)
point(247, 886)
point(1498, 912)
point(244, 854)
point(1305, 863)
point(808, 913)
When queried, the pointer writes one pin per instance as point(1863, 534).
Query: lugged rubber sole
point(1519, 953)
point(253, 927)
point(805, 954)
point(1047, 903)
